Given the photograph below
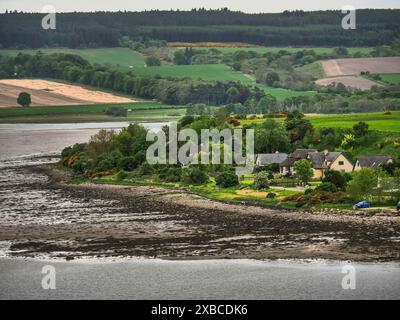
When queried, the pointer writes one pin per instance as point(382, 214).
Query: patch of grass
point(391, 78)
point(315, 69)
point(123, 58)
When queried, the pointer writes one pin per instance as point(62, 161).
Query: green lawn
point(123, 57)
point(142, 111)
point(391, 78)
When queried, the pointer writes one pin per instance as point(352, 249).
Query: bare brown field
point(355, 66)
point(50, 93)
point(349, 81)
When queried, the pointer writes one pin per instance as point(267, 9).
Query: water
point(232, 279)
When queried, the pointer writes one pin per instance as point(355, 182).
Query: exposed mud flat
point(42, 216)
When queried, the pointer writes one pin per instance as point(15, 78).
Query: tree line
point(103, 29)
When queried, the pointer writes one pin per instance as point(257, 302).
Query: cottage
point(320, 162)
point(372, 162)
point(265, 159)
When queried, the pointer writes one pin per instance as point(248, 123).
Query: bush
point(336, 178)
point(261, 180)
point(145, 169)
point(153, 62)
point(271, 195)
point(116, 111)
point(227, 179)
point(327, 187)
point(308, 191)
point(122, 175)
point(196, 176)
point(171, 175)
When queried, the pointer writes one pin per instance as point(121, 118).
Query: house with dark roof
point(372, 162)
point(320, 162)
point(265, 159)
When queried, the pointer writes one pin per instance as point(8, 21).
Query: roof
point(302, 153)
point(373, 161)
point(270, 158)
point(318, 160)
point(332, 156)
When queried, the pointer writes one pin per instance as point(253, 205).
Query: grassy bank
point(141, 111)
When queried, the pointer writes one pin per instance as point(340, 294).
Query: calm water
point(233, 279)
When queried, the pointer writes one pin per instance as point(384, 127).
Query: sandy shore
point(118, 221)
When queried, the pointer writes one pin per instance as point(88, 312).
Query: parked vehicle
point(362, 205)
point(398, 206)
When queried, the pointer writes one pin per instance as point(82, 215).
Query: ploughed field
point(347, 71)
point(51, 93)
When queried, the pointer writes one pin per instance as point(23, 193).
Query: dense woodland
point(103, 29)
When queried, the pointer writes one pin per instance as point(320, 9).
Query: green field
point(376, 121)
point(391, 78)
point(215, 72)
point(141, 111)
point(124, 58)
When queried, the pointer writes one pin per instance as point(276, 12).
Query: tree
point(303, 171)
point(336, 178)
point(180, 58)
point(24, 99)
point(271, 137)
point(153, 61)
point(271, 78)
point(227, 179)
point(261, 180)
point(360, 129)
point(363, 184)
point(297, 126)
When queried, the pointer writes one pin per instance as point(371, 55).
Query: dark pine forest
point(104, 29)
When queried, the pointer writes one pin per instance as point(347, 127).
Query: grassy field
point(376, 120)
point(215, 72)
point(124, 58)
point(142, 111)
point(315, 69)
point(391, 78)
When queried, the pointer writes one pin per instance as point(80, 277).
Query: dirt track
point(50, 93)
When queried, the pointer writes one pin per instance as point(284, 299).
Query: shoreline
point(111, 221)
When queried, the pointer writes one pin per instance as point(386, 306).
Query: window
point(341, 163)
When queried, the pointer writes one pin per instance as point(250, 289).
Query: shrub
point(327, 187)
point(121, 175)
point(227, 179)
point(116, 111)
point(336, 178)
point(271, 195)
point(171, 175)
point(153, 61)
point(145, 169)
point(196, 176)
point(308, 191)
point(261, 180)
